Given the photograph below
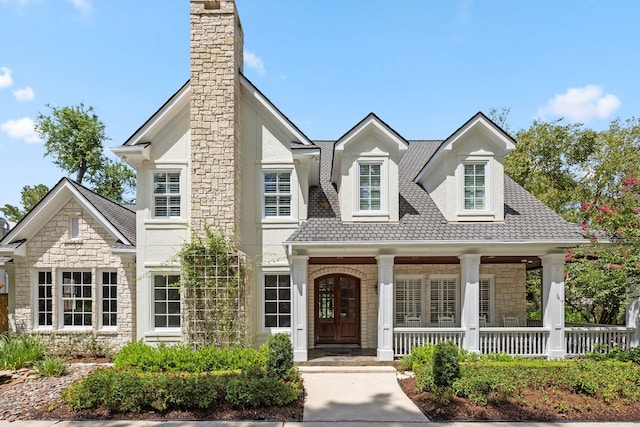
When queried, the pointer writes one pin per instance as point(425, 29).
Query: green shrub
point(51, 367)
point(79, 345)
point(423, 375)
point(279, 356)
point(20, 351)
point(125, 390)
point(446, 368)
point(247, 391)
point(420, 355)
point(180, 358)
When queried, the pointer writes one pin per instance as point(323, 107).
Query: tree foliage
point(29, 197)
point(589, 177)
point(73, 138)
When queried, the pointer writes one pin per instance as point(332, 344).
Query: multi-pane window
point(408, 299)
point(277, 301)
point(369, 191)
point(166, 301)
point(484, 307)
point(45, 299)
point(474, 186)
point(109, 298)
point(76, 298)
point(166, 194)
point(443, 298)
point(277, 194)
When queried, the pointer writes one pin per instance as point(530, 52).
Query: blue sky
point(423, 66)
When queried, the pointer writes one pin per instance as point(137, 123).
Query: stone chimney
point(216, 61)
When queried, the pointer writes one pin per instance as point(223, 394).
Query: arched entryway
point(337, 309)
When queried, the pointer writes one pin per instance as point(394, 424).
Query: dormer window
point(370, 192)
point(475, 187)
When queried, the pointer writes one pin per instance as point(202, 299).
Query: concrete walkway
point(346, 394)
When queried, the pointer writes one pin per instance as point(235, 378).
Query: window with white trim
point(369, 186)
point(474, 187)
point(443, 298)
point(166, 301)
point(45, 298)
point(485, 298)
point(109, 299)
point(77, 303)
point(277, 300)
point(277, 193)
point(408, 299)
point(166, 194)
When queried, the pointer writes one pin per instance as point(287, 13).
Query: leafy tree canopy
point(30, 196)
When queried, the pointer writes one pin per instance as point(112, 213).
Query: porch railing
point(581, 338)
point(527, 341)
point(530, 342)
point(404, 339)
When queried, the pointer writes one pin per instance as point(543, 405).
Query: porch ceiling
point(532, 262)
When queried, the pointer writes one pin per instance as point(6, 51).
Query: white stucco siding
point(171, 143)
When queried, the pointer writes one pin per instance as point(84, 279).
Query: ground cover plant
point(498, 387)
point(165, 379)
point(29, 351)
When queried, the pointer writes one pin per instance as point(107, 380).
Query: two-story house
point(368, 241)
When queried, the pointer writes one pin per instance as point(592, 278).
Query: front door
point(337, 309)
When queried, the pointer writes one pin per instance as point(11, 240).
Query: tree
point(113, 180)
point(30, 196)
point(73, 138)
point(585, 175)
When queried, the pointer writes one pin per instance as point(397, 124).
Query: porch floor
point(344, 357)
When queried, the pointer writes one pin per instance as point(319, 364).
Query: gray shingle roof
point(123, 219)
point(526, 218)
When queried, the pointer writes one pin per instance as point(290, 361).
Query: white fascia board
point(271, 109)
point(48, 208)
point(371, 123)
point(160, 118)
point(486, 129)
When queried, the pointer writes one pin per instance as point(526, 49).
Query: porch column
point(385, 307)
point(633, 320)
point(553, 303)
point(470, 298)
point(299, 307)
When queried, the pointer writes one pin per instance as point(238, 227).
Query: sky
point(423, 66)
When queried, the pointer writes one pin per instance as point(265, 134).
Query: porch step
point(346, 369)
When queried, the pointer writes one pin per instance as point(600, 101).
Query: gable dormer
point(365, 171)
point(465, 176)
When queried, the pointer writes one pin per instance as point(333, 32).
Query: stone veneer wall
point(510, 290)
point(52, 249)
point(368, 275)
point(216, 60)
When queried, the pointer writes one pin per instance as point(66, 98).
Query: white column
point(470, 303)
point(299, 307)
point(385, 307)
point(553, 303)
point(633, 320)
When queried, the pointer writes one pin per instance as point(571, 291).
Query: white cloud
point(582, 104)
point(252, 61)
point(23, 128)
point(5, 77)
point(83, 6)
point(26, 94)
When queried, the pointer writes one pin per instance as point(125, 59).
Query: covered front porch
point(411, 302)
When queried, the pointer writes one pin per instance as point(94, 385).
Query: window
point(443, 298)
point(277, 301)
point(109, 299)
point(485, 299)
point(369, 191)
point(474, 186)
point(277, 194)
point(75, 228)
point(45, 299)
point(76, 298)
point(166, 194)
point(166, 301)
point(408, 299)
